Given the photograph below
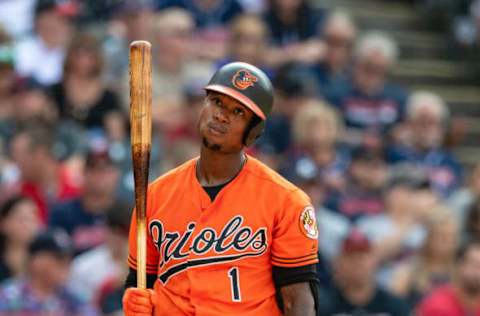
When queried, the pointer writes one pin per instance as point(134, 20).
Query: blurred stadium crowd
point(399, 217)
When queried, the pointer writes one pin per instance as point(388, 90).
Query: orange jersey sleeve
point(152, 253)
point(295, 235)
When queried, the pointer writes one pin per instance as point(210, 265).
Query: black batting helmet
point(251, 87)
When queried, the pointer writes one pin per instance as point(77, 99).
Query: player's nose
point(221, 115)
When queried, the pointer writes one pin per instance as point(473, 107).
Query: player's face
point(222, 123)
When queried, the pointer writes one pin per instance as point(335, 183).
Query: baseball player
point(226, 234)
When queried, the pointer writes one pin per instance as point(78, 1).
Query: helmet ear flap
point(254, 133)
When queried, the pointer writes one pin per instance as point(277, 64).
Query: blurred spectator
point(333, 227)
point(362, 195)
point(41, 55)
point(107, 260)
point(294, 25)
point(247, 42)
point(209, 13)
point(7, 95)
point(19, 223)
point(467, 27)
point(109, 296)
point(43, 178)
point(253, 6)
point(399, 232)
point(339, 33)
point(132, 20)
point(434, 263)
point(211, 18)
point(7, 111)
point(369, 102)
point(317, 129)
point(422, 142)
point(83, 218)
point(182, 140)
point(32, 104)
point(17, 16)
point(462, 296)
point(462, 199)
point(471, 227)
point(81, 96)
point(294, 86)
point(173, 66)
point(354, 291)
point(42, 291)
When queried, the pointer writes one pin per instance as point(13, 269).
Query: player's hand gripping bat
point(141, 139)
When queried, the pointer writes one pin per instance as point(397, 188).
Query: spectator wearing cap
point(399, 232)
point(81, 97)
point(433, 266)
point(370, 104)
point(19, 223)
point(365, 178)
point(427, 118)
point(42, 291)
point(462, 296)
point(338, 33)
point(83, 218)
point(43, 178)
point(107, 259)
point(41, 55)
point(355, 291)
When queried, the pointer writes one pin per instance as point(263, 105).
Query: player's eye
point(239, 112)
point(217, 102)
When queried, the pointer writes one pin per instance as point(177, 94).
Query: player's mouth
point(216, 129)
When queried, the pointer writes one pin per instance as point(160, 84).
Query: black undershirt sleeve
point(286, 276)
point(131, 280)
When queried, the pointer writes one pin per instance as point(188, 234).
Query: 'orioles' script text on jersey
point(215, 258)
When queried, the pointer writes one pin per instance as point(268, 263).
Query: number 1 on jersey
point(234, 276)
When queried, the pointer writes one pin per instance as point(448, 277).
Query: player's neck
point(215, 168)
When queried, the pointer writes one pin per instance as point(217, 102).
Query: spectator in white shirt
point(41, 55)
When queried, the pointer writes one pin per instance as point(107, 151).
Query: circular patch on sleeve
point(308, 223)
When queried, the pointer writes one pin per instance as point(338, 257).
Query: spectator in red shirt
point(43, 178)
point(462, 296)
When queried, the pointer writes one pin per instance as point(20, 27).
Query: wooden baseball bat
point(141, 139)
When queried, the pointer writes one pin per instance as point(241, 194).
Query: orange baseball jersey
point(215, 258)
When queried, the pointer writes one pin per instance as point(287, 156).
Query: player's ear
point(253, 131)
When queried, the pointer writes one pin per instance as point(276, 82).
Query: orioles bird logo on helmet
point(243, 79)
